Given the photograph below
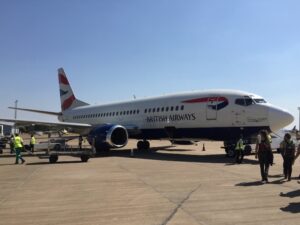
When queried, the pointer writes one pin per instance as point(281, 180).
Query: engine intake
point(109, 135)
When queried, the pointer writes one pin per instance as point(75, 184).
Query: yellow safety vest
point(240, 145)
point(32, 141)
point(18, 142)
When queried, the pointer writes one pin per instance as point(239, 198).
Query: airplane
point(220, 115)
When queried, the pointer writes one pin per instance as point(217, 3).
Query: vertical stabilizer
point(67, 97)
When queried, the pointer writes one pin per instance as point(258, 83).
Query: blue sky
point(114, 49)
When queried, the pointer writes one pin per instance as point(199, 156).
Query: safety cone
point(203, 148)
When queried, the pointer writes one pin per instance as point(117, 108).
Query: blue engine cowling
point(108, 136)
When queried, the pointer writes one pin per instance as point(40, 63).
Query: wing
point(77, 127)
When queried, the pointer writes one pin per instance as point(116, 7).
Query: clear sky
point(114, 49)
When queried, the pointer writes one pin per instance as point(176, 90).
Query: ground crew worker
point(32, 143)
point(18, 145)
point(80, 140)
point(11, 144)
point(239, 150)
point(288, 151)
point(264, 154)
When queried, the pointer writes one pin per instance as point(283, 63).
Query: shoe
point(289, 179)
point(23, 161)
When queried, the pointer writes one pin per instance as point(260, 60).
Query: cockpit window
point(240, 101)
point(244, 101)
point(259, 100)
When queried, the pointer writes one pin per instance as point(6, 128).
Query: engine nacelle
point(108, 136)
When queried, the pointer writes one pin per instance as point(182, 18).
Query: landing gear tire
point(84, 158)
point(143, 145)
point(53, 158)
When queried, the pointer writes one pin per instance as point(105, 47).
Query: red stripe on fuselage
point(68, 102)
point(63, 79)
point(206, 99)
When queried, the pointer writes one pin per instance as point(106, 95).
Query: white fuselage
point(200, 112)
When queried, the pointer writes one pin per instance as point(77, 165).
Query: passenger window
point(153, 110)
point(177, 107)
point(167, 109)
point(162, 109)
point(138, 111)
point(145, 110)
point(182, 107)
point(172, 108)
point(157, 110)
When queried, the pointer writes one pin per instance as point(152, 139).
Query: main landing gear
point(143, 145)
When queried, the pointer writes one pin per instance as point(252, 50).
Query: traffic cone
point(203, 148)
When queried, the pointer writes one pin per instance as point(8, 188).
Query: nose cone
point(279, 118)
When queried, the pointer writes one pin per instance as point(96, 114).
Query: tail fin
point(67, 97)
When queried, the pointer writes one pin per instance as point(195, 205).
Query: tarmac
point(167, 185)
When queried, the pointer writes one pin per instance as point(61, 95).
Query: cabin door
point(212, 108)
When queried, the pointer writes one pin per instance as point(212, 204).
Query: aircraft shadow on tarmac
point(160, 153)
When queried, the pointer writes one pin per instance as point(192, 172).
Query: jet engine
point(108, 136)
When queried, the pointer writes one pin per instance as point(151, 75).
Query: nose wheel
point(143, 145)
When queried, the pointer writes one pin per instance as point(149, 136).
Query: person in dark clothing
point(80, 140)
point(264, 154)
point(288, 151)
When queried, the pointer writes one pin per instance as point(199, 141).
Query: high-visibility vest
point(32, 141)
point(18, 142)
point(240, 145)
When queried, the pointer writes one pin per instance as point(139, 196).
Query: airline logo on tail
point(66, 94)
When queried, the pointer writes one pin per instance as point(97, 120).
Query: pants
point(31, 147)
point(239, 156)
point(18, 155)
point(264, 163)
point(288, 166)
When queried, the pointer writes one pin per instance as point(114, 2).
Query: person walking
point(264, 154)
point(18, 145)
point(80, 140)
point(288, 151)
point(32, 143)
point(239, 150)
